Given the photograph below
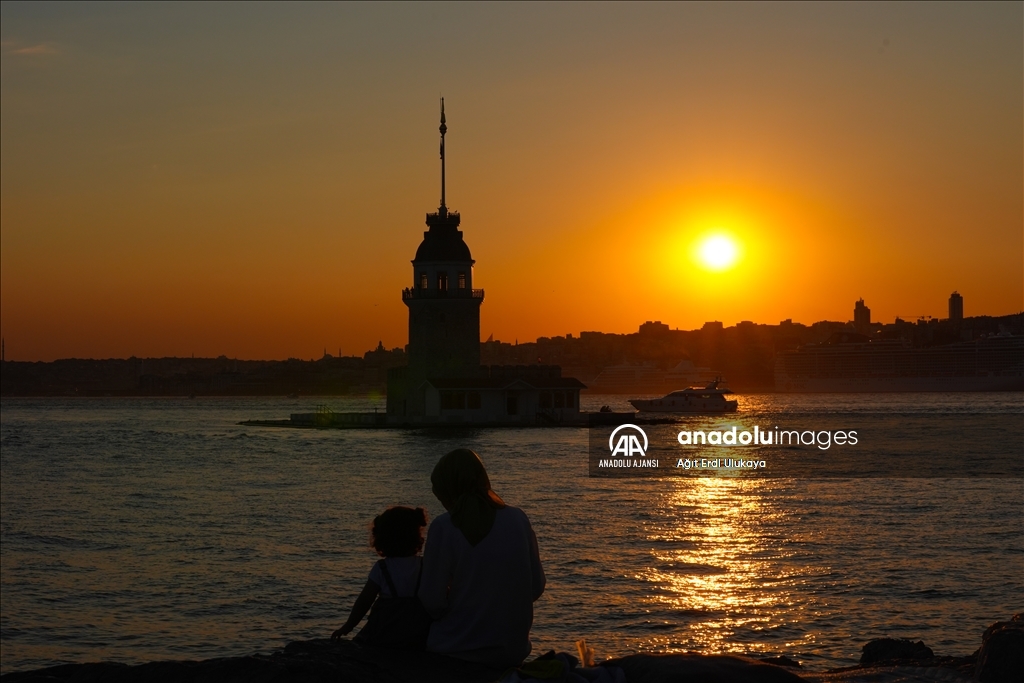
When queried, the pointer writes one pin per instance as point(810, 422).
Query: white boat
point(709, 399)
point(649, 378)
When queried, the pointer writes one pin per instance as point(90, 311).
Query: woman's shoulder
point(441, 525)
point(513, 515)
point(443, 519)
point(513, 511)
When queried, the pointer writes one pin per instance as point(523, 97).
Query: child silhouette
point(397, 619)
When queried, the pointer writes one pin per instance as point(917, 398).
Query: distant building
point(850, 362)
point(444, 381)
point(861, 317)
point(656, 327)
point(956, 307)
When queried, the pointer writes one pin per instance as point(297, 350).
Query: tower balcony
point(444, 218)
point(418, 293)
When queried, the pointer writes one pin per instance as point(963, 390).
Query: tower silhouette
point(444, 309)
point(956, 307)
point(861, 317)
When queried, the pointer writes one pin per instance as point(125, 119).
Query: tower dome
point(443, 242)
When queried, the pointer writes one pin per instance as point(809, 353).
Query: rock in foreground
point(701, 668)
point(1001, 658)
point(895, 650)
point(309, 661)
point(322, 660)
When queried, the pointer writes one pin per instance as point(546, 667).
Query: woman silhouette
point(481, 568)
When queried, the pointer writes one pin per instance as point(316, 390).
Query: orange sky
point(251, 180)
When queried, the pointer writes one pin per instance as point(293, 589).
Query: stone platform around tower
point(332, 420)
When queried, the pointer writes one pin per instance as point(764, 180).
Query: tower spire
point(443, 210)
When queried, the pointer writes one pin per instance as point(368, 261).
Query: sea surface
point(142, 529)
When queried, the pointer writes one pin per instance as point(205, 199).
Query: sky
point(251, 179)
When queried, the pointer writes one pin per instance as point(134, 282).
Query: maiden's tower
point(444, 381)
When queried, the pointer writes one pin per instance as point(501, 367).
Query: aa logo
point(628, 443)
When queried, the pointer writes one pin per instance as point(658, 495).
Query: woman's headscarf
point(460, 481)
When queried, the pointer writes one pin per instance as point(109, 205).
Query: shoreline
point(999, 659)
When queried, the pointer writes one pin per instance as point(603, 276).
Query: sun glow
point(717, 252)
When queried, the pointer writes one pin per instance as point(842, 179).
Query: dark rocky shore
point(1000, 659)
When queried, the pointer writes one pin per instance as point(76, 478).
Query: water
point(138, 529)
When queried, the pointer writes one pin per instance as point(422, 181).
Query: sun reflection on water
point(717, 568)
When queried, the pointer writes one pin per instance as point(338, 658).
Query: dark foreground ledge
point(322, 660)
point(999, 659)
point(311, 660)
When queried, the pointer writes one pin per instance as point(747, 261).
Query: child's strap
point(387, 577)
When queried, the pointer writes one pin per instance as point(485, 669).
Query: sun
point(717, 252)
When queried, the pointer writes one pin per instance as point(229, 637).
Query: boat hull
point(662, 406)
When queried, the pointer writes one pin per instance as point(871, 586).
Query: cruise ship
point(849, 362)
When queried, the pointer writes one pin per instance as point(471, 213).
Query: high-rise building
point(861, 317)
point(956, 307)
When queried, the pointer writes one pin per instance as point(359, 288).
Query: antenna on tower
point(443, 210)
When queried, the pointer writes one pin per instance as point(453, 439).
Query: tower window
point(462, 279)
point(423, 280)
point(442, 281)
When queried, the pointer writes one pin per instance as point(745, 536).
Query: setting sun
point(717, 252)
